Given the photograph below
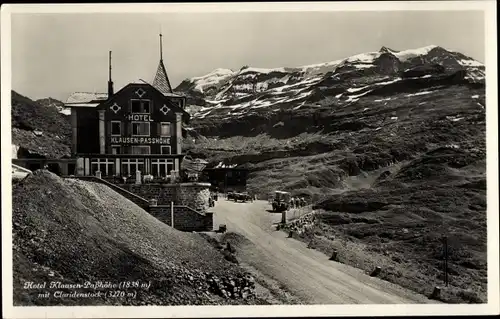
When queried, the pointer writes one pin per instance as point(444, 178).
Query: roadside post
point(172, 214)
point(445, 250)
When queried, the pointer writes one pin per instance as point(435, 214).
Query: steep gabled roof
point(161, 82)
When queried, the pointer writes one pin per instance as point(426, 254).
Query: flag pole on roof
point(161, 45)
point(110, 82)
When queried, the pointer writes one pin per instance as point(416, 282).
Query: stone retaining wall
point(185, 218)
point(194, 195)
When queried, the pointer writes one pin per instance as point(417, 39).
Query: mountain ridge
point(223, 97)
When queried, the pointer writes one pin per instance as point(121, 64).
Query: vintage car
point(281, 201)
point(242, 197)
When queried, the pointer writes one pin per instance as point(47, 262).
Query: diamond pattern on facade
point(115, 108)
point(140, 92)
point(164, 109)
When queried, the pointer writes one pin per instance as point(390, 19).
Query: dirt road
point(305, 273)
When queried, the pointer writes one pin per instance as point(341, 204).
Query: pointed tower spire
point(161, 82)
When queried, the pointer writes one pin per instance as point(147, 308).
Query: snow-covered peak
point(408, 54)
point(215, 73)
point(213, 78)
point(367, 57)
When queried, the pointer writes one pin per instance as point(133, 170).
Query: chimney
point(110, 82)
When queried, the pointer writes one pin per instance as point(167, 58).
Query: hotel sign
point(140, 140)
point(139, 117)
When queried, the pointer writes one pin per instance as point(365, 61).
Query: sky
point(54, 55)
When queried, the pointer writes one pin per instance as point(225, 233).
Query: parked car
point(281, 201)
point(242, 197)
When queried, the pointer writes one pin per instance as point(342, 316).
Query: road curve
point(306, 273)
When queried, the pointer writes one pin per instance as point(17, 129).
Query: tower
point(161, 82)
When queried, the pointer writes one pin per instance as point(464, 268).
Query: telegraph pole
point(445, 253)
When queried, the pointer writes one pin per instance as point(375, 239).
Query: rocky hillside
point(74, 232)
point(39, 130)
point(53, 103)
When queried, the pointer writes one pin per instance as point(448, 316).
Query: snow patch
point(419, 93)
point(470, 63)
point(475, 96)
point(381, 100)
point(352, 90)
point(264, 71)
point(299, 106)
point(408, 54)
point(210, 79)
point(454, 118)
point(389, 82)
point(354, 98)
point(394, 118)
point(222, 165)
point(321, 68)
point(363, 66)
point(363, 57)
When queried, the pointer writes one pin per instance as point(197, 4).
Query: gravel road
point(305, 273)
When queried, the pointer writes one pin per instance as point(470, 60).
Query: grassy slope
point(432, 184)
point(73, 231)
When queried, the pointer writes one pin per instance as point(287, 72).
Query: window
point(115, 149)
point(130, 166)
point(140, 128)
point(166, 150)
point(161, 167)
point(116, 128)
point(165, 129)
point(141, 150)
point(140, 106)
point(105, 166)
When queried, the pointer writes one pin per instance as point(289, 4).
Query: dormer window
point(140, 106)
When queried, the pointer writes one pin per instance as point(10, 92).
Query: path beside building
point(305, 273)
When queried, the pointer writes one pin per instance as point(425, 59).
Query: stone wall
point(194, 195)
point(185, 218)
